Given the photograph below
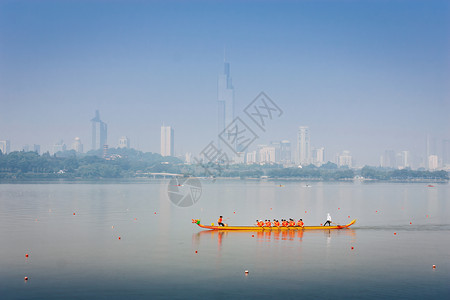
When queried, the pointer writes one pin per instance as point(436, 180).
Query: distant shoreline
point(149, 179)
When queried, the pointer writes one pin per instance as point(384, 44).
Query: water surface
point(71, 232)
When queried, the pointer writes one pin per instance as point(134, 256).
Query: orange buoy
point(410, 223)
point(26, 255)
point(305, 211)
point(321, 224)
point(120, 238)
point(234, 212)
point(352, 248)
point(26, 278)
point(339, 208)
point(434, 266)
point(135, 219)
point(74, 214)
point(196, 251)
point(349, 216)
point(427, 216)
point(155, 212)
point(246, 272)
point(395, 233)
point(376, 211)
point(253, 235)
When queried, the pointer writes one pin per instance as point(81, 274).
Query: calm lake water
point(71, 232)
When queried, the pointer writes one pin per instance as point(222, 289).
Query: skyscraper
point(388, 159)
point(167, 141)
point(285, 151)
point(303, 146)
point(446, 153)
point(124, 142)
point(318, 156)
point(5, 146)
point(99, 132)
point(345, 159)
point(77, 145)
point(59, 147)
point(225, 99)
point(37, 148)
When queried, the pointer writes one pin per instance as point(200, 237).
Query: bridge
point(164, 175)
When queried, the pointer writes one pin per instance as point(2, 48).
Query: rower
point(328, 220)
point(284, 223)
point(268, 223)
point(220, 221)
point(259, 223)
point(300, 223)
point(291, 222)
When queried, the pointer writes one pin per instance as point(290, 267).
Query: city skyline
point(365, 78)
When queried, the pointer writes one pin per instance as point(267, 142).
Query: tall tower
point(99, 132)
point(167, 141)
point(225, 99)
point(303, 146)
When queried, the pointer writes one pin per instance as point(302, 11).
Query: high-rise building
point(345, 159)
point(37, 148)
point(403, 160)
point(59, 146)
point(285, 151)
point(77, 145)
point(5, 146)
point(303, 146)
point(225, 100)
point(267, 154)
point(433, 162)
point(124, 142)
point(251, 158)
point(388, 159)
point(167, 141)
point(318, 156)
point(446, 153)
point(99, 132)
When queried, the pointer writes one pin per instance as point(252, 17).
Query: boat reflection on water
point(285, 235)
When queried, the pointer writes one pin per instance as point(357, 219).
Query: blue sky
point(365, 76)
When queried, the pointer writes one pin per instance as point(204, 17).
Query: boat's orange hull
point(257, 228)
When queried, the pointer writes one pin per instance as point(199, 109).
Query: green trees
point(67, 165)
point(131, 163)
point(402, 175)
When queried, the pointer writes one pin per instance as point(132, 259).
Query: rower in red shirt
point(220, 221)
point(300, 223)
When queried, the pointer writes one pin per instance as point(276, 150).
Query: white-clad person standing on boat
point(328, 220)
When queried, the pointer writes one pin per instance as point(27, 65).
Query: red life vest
point(219, 221)
point(260, 223)
point(268, 224)
point(300, 223)
point(284, 223)
point(291, 223)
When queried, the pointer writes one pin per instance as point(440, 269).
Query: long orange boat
point(258, 228)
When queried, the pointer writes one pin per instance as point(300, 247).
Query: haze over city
point(365, 76)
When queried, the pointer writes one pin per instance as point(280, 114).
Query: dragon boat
point(271, 228)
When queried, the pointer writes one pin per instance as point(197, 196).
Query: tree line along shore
point(130, 163)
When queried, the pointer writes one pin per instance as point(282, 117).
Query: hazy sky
point(365, 76)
